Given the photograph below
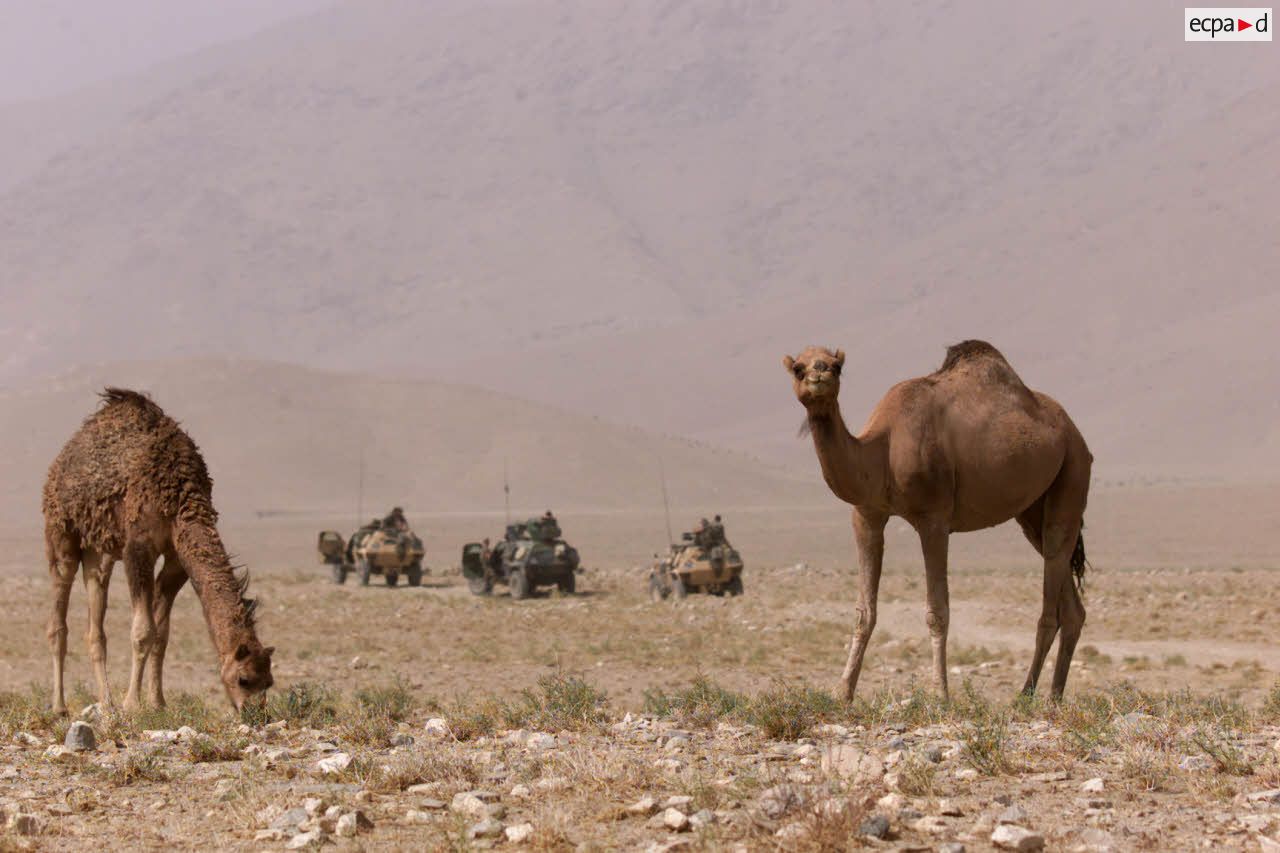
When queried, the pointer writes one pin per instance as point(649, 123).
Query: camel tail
point(1079, 562)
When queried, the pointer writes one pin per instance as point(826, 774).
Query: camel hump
point(964, 351)
point(134, 399)
point(980, 360)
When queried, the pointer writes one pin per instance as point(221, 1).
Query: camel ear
point(269, 651)
point(839, 358)
point(242, 652)
point(788, 362)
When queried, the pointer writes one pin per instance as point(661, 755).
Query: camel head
point(815, 375)
point(246, 671)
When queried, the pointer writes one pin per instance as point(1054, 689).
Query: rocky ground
point(703, 768)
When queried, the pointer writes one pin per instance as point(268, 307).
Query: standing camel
point(131, 485)
point(964, 448)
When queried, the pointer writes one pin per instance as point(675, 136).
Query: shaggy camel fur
point(965, 448)
point(131, 485)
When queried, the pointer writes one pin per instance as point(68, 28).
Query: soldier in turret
point(395, 520)
point(717, 532)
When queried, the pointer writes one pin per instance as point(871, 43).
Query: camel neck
point(843, 458)
point(214, 579)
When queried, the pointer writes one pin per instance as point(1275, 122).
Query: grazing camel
point(131, 485)
point(964, 448)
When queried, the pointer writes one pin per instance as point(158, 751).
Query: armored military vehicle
point(374, 549)
point(703, 561)
point(531, 554)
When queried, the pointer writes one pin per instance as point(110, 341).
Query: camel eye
point(836, 369)
point(246, 683)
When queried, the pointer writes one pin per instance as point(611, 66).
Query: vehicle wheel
point(657, 591)
point(519, 583)
point(414, 573)
point(734, 587)
point(567, 584)
point(480, 586)
point(678, 587)
point(392, 578)
point(339, 573)
point(366, 571)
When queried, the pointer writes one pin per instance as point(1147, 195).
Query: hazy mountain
point(633, 208)
point(288, 439)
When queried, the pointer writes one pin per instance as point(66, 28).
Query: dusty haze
point(628, 211)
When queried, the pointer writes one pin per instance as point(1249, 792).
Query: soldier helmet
point(717, 517)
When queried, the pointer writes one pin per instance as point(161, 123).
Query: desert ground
point(565, 713)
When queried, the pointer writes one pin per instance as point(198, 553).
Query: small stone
point(932, 825)
point(1010, 837)
point(1272, 796)
point(1094, 786)
point(346, 827)
point(363, 821)
point(161, 735)
point(702, 819)
point(675, 820)
point(682, 802)
point(966, 774)
point(1013, 814)
point(519, 833)
point(541, 741)
point(313, 806)
point(950, 809)
point(779, 800)
point(358, 662)
point(290, 819)
point(304, 839)
point(470, 803)
point(951, 847)
point(26, 739)
point(644, 806)
point(402, 739)
point(269, 835)
point(876, 826)
point(520, 791)
point(432, 805)
point(415, 816)
point(891, 803)
point(437, 727)
point(91, 713)
point(487, 828)
point(187, 733)
point(58, 754)
point(849, 762)
point(334, 764)
point(1192, 763)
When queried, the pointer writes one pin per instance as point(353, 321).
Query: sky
point(52, 47)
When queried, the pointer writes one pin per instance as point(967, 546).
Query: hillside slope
point(287, 439)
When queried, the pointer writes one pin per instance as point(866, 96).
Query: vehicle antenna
point(506, 490)
point(666, 509)
point(360, 492)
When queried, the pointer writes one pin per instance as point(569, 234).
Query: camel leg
point(97, 579)
point(868, 533)
point(1061, 519)
point(64, 562)
point(140, 566)
point(170, 580)
point(933, 541)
